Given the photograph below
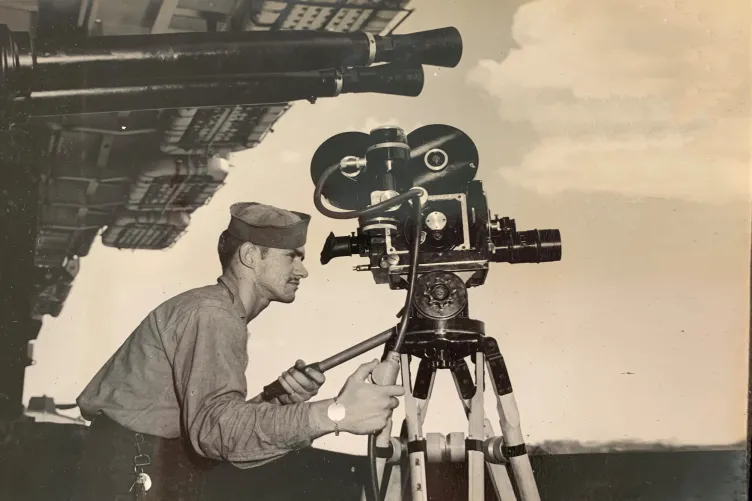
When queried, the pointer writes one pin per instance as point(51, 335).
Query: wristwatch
point(336, 412)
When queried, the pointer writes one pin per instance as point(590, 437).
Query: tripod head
point(376, 177)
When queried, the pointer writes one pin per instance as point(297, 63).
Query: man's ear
point(248, 254)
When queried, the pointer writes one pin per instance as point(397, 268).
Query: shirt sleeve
point(209, 368)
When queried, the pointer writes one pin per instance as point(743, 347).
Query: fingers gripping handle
point(386, 372)
point(276, 389)
point(383, 375)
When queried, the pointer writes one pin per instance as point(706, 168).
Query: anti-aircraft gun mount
point(49, 77)
point(176, 70)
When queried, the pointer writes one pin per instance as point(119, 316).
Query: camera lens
point(531, 246)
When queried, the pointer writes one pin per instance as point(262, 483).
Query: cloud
point(644, 99)
point(289, 157)
point(374, 122)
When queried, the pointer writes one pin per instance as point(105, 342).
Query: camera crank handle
point(276, 389)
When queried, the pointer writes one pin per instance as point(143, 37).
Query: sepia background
point(623, 124)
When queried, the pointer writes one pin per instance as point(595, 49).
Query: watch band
point(336, 423)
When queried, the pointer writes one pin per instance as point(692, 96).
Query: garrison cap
point(268, 226)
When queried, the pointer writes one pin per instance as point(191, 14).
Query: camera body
point(459, 236)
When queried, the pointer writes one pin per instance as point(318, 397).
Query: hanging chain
point(140, 460)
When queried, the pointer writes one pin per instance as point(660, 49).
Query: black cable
point(412, 195)
point(379, 207)
point(376, 495)
point(413, 273)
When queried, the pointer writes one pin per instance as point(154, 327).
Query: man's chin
point(286, 296)
point(286, 299)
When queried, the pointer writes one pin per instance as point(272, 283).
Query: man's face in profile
point(279, 273)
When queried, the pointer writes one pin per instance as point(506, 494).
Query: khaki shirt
point(184, 366)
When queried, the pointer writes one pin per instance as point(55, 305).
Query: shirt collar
point(234, 295)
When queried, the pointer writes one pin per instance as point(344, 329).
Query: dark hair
point(228, 246)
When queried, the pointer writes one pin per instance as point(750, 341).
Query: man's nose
point(302, 271)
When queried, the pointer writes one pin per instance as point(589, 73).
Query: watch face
point(336, 412)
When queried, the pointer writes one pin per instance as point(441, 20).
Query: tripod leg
point(423, 387)
point(474, 445)
point(498, 473)
point(416, 402)
point(392, 484)
point(415, 441)
point(509, 417)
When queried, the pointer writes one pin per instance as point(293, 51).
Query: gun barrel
point(148, 58)
point(260, 89)
point(142, 59)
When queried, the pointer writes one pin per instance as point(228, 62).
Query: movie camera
point(424, 224)
point(374, 176)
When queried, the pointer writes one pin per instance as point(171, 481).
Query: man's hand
point(368, 406)
point(301, 384)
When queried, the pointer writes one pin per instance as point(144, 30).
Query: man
point(172, 400)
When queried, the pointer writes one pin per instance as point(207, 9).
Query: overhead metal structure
point(131, 172)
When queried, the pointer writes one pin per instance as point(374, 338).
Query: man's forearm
point(220, 422)
point(246, 431)
point(317, 418)
point(253, 433)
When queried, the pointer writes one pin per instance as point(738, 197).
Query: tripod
point(444, 344)
point(442, 335)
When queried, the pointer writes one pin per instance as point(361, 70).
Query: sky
point(623, 124)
